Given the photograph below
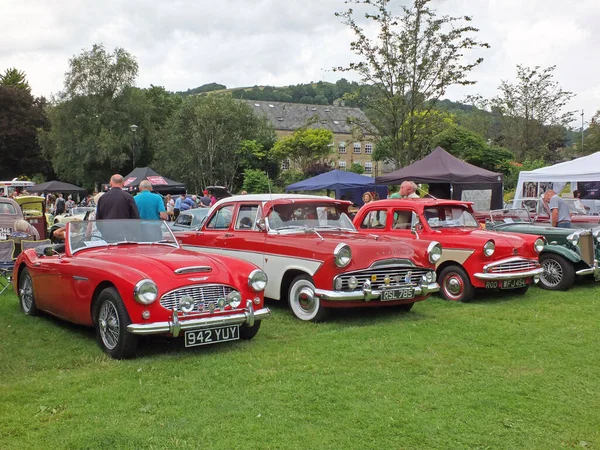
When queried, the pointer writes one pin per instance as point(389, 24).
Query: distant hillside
point(201, 89)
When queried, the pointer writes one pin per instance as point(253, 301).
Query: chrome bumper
point(370, 294)
point(175, 326)
point(508, 276)
point(594, 270)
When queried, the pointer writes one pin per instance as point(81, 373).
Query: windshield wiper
point(314, 231)
point(290, 227)
point(124, 243)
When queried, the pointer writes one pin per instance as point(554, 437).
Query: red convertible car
point(471, 258)
point(312, 254)
point(130, 277)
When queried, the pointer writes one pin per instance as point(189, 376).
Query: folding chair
point(7, 264)
point(26, 245)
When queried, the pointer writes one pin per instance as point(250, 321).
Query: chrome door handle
point(228, 234)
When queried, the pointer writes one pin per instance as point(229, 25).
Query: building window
point(342, 147)
point(285, 164)
point(342, 165)
point(368, 148)
point(357, 147)
point(368, 167)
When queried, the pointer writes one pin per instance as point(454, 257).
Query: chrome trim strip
point(367, 294)
point(193, 269)
point(508, 275)
point(383, 263)
point(78, 278)
point(248, 317)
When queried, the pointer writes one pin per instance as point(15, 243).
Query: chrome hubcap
point(453, 286)
point(108, 321)
point(552, 274)
point(303, 301)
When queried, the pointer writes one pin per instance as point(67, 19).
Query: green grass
point(503, 372)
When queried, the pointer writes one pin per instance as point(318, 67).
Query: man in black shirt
point(116, 203)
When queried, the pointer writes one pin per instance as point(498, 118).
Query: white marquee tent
point(534, 183)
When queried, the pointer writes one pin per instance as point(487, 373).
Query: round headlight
point(434, 252)
point(257, 280)
point(145, 292)
point(234, 298)
point(488, 248)
point(538, 245)
point(352, 282)
point(343, 255)
point(573, 238)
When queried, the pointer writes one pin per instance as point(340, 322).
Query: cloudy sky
point(181, 44)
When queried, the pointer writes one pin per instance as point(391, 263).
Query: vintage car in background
point(10, 212)
point(74, 214)
point(568, 252)
point(540, 213)
point(190, 219)
point(129, 278)
point(33, 208)
point(313, 256)
point(471, 257)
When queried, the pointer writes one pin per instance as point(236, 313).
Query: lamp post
point(133, 129)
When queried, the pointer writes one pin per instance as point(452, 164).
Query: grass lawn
point(503, 372)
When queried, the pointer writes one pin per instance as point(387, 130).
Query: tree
point(410, 65)
point(357, 168)
point(21, 115)
point(206, 140)
point(256, 182)
point(98, 73)
point(14, 78)
point(90, 137)
point(533, 121)
point(305, 147)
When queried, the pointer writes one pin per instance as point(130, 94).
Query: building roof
point(291, 116)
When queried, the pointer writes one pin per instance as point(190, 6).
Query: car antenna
point(427, 193)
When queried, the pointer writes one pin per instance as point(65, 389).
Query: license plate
point(207, 336)
point(4, 233)
point(397, 294)
point(506, 284)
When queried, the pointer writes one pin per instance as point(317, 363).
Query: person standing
point(150, 205)
point(408, 189)
point(170, 205)
point(559, 211)
point(116, 203)
point(59, 206)
point(205, 200)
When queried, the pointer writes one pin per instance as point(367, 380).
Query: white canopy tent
point(532, 184)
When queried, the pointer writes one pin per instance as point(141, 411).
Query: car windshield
point(510, 215)
point(576, 206)
point(309, 216)
point(445, 216)
point(80, 211)
point(92, 233)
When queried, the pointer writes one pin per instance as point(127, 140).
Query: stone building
point(350, 147)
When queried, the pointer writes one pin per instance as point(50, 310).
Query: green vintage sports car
point(567, 253)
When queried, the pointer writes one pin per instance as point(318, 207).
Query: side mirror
point(48, 251)
point(261, 224)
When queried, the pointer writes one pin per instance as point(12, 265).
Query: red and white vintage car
point(312, 254)
point(471, 258)
point(130, 277)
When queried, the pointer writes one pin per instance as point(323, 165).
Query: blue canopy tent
point(347, 185)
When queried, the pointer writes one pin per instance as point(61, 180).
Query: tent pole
point(451, 191)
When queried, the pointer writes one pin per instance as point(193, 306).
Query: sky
point(181, 44)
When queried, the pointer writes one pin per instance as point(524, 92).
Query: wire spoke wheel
point(553, 273)
point(26, 293)
point(109, 325)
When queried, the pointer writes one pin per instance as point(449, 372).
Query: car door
point(245, 239)
point(211, 236)
point(51, 290)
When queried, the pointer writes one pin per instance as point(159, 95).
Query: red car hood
point(162, 258)
point(505, 242)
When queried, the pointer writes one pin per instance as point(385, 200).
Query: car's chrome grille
point(586, 247)
point(205, 297)
point(516, 265)
point(384, 276)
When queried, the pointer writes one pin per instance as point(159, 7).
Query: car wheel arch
point(561, 251)
point(287, 279)
point(438, 269)
point(101, 286)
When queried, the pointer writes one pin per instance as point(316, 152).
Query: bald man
point(116, 203)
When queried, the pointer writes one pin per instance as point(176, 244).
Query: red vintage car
point(312, 254)
point(471, 258)
point(129, 278)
